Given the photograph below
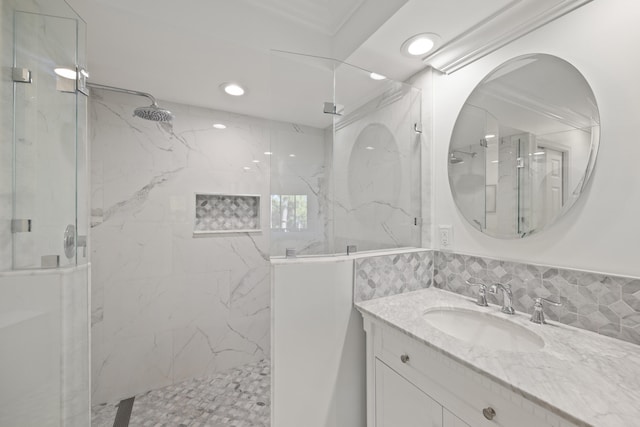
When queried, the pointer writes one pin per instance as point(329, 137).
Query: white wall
point(601, 232)
point(318, 343)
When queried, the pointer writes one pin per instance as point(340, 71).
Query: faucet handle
point(482, 293)
point(538, 312)
point(494, 288)
point(539, 300)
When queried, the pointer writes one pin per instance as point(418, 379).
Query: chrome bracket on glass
point(331, 108)
point(20, 225)
point(417, 127)
point(351, 249)
point(289, 253)
point(69, 241)
point(21, 75)
point(50, 261)
point(83, 75)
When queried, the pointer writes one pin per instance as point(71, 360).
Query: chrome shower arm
point(121, 90)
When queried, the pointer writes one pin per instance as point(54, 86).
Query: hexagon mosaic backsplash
point(605, 304)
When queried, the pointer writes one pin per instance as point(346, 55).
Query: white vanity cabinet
point(410, 384)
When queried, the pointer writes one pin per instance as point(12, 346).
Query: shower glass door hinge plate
point(20, 225)
point(417, 127)
point(50, 261)
point(21, 75)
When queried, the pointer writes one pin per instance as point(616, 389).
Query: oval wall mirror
point(524, 146)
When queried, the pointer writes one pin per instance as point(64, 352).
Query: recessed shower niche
point(226, 213)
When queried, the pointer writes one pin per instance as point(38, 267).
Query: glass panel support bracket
point(21, 75)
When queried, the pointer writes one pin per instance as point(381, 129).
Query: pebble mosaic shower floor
point(239, 397)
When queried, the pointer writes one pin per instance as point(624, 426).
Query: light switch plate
point(445, 234)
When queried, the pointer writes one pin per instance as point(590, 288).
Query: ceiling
point(181, 51)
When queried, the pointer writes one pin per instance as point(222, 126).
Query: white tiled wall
point(168, 305)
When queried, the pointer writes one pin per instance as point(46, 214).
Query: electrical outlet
point(446, 236)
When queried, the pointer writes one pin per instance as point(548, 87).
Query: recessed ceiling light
point(539, 153)
point(489, 136)
point(268, 153)
point(369, 148)
point(292, 155)
point(233, 89)
point(419, 44)
point(246, 168)
point(495, 161)
point(256, 161)
point(376, 76)
point(219, 126)
point(66, 73)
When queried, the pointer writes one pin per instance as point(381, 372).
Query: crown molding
point(516, 19)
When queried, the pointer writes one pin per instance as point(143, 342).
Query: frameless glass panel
point(376, 162)
point(44, 140)
point(356, 172)
point(301, 215)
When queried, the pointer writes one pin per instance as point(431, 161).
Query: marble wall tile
point(379, 276)
point(178, 305)
point(608, 305)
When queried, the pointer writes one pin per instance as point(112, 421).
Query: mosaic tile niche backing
point(385, 275)
point(608, 305)
point(216, 213)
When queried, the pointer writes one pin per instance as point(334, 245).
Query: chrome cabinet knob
point(489, 413)
point(404, 358)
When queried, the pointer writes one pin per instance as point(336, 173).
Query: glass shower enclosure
point(44, 268)
point(347, 173)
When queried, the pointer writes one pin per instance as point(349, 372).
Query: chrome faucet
point(507, 297)
point(538, 313)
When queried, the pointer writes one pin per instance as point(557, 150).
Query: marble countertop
point(587, 378)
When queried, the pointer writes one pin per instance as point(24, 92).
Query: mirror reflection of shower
point(454, 159)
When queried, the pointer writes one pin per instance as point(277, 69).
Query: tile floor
point(239, 397)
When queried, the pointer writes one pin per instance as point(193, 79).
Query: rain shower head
point(151, 112)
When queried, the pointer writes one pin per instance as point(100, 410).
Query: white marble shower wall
point(376, 169)
point(167, 305)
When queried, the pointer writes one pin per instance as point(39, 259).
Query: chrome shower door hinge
point(20, 225)
point(21, 75)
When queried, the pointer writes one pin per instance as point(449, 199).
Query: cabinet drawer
point(459, 389)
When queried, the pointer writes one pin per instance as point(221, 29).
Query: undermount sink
point(483, 329)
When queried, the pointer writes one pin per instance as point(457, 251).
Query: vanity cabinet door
point(450, 420)
point(400, 403)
